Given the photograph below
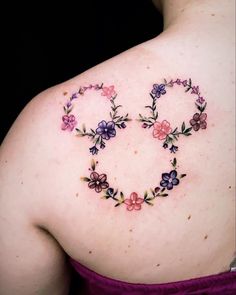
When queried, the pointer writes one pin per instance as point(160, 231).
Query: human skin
point(47, 211)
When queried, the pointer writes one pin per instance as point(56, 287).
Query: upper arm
point(31, 260)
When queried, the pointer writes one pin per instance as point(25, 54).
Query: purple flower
point(73, 96)
point(145, 125)
point(158, 90)
point(93, 150)
point(169, 180)
point(123, 125)
point(106, 129)
point(68, 104)
point(195, 90)
point(173, 149)
point(201, 100)
point(165, 145)
point(110, 191)
point(184, 83)
point(178, 81)
point(198, 121)
point(102, 145)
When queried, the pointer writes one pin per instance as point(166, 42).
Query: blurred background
point(48, 45)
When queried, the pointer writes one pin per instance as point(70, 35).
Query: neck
point(184, 13)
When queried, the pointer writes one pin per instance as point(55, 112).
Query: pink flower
point(161, 130)
point(69, 122)
point(134, 202)
point(200, 100)
point(108, 91)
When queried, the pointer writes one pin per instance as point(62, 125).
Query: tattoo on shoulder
point(105, 129)
point(160, 130)
point(99, 183)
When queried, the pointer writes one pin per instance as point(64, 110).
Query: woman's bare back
point(190, 232)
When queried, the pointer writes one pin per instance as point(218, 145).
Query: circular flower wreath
point(162, 130)
point(105, 130)
point(99, 183)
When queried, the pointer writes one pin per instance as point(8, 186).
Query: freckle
point(90, 252)
point(5, 161)
point(65, 93)
point(182, 10)
point(21, 182)
point(212, 125)
point(212, 14)
point(230, 187)
point(189, 217)
point(206, 236)
point(125, 251)
point(130, 230)
point(158, 265)
point(135, 152)
point(148, 67)
point(115, 178)
point(17, 256)
point(128, 246)
point(77, 195)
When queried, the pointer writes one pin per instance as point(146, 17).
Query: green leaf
point(149, 203)
point(93, 164)
point(85, 179)
point(84, 128)
point(118, 204)
point(174, 162)
point(188, 130)
point(163, 195)
point(122, 195)
point(92, 131)
point(182, 175)
point(183, 127)
point(145, 194)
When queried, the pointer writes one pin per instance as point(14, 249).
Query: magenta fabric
point(95, 284)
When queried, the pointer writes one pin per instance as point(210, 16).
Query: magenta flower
point(98, 182)
point(198, 121)
point(109, 92)
point(178, 81)
point(195, 89)
point(134, 202)
point(69, 122)
point(200, 100)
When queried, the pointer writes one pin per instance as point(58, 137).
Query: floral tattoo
point(105, 130)
point(99, 183)
point(162, 130)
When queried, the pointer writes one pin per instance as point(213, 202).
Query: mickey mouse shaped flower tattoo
point(163, 130)
point(105, 129)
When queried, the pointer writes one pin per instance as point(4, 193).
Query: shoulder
point(31, 260)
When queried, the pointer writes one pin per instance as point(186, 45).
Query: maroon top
point(95, 284)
